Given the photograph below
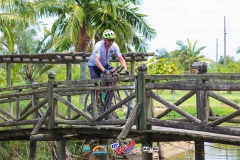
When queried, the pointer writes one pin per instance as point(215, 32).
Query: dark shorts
point(95, 72)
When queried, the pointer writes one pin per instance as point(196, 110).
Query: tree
point(229, 59)
point(189, 54)
point(161, 66)
point(81, 23)
point(171, 57)
point(26, 43)
point(19, 27)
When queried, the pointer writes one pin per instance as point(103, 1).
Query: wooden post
point(132, 82)
point(51, 77)
point(142, 101)
point(17, 106)
point(61, 149)
point(202, 114)
point(9, 84)
point(94, 104)
point(69, 78)
point(199, 150)
point(33, 144)
point(33, 150)
point(104, 142)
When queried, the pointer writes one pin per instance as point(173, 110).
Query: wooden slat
point(181, 86)
point(130, 122)
point(173, 107)
point(40, 122)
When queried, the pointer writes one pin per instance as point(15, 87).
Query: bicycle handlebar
point(116, 72)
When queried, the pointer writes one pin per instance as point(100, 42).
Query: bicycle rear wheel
point(88, 105)
point(124, 111)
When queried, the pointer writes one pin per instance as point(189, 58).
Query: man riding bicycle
point(102, 52)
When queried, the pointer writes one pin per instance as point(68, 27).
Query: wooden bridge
point(42, 118)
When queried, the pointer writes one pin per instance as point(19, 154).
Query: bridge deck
point(157, 134)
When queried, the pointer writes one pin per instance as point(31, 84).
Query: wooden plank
point(59, 58)
point(40, 122)
point(223, 100)
point(110, 132)
point(9, 115)
point(45, 137)
point(181, 86)
point(23, 87)
point(29, 105)
point(130, 122)
point(18, 123)
point(110, 122)
point(192, 77)
point(193, 127)
point(224, 119)
point(24, 93)
point(107, 88)
point(4, 118)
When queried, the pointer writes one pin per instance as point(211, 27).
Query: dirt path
point(168, 149)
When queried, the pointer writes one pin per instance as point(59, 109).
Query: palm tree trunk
point(82, 47)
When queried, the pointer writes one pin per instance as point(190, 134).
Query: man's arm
point(98, 63)
point(123, 62)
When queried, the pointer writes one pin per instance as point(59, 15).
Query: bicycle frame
point(110, 94)
point(112, 97)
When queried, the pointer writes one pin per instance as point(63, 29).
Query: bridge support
point(104, 142)
point(202, 114)
point(61, 149)
point(199, 150)
point(69, 78)
point(144, 107)
point(33, 150)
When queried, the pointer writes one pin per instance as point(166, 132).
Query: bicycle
point(107, 99)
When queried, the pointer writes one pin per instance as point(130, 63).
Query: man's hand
point(106, 71)
point(127, 72)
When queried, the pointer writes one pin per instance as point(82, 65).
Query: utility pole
point(216, 50)
point(225, 58)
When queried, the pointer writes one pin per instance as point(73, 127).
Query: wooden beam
point(182, 86)
point(223, 100)
point(74, 108)
point(130, 121)
point(173, 107)
point(177, 103)
point(35, 108)
point(40, 122)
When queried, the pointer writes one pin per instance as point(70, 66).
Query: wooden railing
point(41, 109)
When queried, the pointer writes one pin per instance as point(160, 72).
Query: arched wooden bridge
point(41, 119)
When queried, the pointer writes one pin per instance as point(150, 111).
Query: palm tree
point(189, 54)
point(27, 43)
point(80, 22)
point(18, 28)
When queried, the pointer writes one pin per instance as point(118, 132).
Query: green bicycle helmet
point(109, 34)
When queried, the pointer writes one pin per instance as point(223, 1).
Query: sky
point(201, 20)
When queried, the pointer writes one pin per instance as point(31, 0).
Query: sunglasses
point(110, 40)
